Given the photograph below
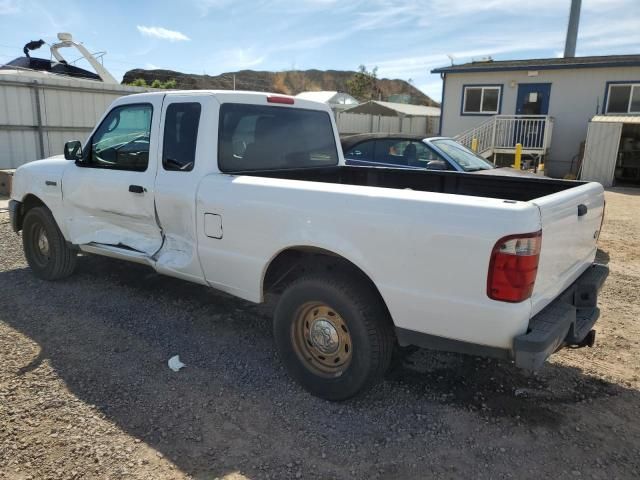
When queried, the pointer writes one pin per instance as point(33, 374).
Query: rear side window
point(180, 136)
point(390, 152)
point(257, 137)
point(362, 151)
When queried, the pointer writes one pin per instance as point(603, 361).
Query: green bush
point(141, 82)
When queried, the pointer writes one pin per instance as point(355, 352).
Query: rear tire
point(45, 247)
point(333, 334)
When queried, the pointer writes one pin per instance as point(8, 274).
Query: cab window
point(121, 142)
point(180, 136)
point(409, 153)
point(362, 151)
point(390, 152)
point(258, 137)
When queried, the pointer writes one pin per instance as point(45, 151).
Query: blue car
point(411, 152)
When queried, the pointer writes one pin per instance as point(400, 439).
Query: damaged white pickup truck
point(248, 193)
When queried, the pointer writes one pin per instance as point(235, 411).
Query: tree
point(363, 84)
point(169, 84)
point(141, 82)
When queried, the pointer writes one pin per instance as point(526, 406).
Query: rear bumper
point(567, 321)
point(14, 215)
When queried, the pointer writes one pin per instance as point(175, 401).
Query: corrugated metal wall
point(601, 152)
point(367, 123)
point(38, 117)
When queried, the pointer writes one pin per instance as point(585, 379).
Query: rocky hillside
point(287, 82)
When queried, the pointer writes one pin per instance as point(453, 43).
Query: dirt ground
point(85, 391)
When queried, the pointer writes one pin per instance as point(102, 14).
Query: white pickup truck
point(248, 193)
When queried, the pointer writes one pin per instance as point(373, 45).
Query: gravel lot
point(85, 391)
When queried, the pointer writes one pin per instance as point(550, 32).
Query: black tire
point(51, 258)
point(363, 316)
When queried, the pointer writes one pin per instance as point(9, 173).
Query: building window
point(482, 100)
point(623, 98)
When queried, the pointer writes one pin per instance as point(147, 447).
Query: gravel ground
point(85, 391)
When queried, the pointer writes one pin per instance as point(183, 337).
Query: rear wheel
point(333, 334)
point(45, 247)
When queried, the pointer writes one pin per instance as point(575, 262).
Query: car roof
point(349, 141)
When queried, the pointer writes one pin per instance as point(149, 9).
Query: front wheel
point(45, 247)
point(334, 334)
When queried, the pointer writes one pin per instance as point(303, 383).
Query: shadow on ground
point(109, 330)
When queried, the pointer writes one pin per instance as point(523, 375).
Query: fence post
point(518, 157)
point(39, 128)
point(493, 138)
point(474, 144)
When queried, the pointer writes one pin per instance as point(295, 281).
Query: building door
point(533, 99)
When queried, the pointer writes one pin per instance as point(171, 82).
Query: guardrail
point(501, 134)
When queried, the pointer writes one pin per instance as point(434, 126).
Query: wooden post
point(474, 144)
point(518, 157)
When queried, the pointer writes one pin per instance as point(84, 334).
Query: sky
point(404, 39)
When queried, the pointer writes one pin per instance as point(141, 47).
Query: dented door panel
point(180, 169)
point(116, 207)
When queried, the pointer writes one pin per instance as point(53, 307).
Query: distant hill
point(288, 82)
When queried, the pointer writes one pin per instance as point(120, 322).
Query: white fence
point(38, 117)
point(368, 123)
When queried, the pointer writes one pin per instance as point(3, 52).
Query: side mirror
point(73, 150)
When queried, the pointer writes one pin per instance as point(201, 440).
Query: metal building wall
point(601, 152)
point(38, 116)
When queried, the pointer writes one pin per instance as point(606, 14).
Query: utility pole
point(572, 29)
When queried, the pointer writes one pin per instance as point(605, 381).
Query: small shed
point(612, 150)
point(394, 117)
point(392, 109)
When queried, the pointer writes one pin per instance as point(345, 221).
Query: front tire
point(334, 334)
point(45, 247)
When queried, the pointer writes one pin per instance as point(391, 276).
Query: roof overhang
point(497, 67)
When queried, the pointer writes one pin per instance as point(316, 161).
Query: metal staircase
point(501, 134)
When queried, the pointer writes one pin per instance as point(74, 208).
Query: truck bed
point(490, 186)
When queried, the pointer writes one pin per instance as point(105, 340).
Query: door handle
point(582, 209)
point(136, 189)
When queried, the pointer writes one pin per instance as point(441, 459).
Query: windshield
point(469, 161)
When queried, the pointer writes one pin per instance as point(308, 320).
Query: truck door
point(109, 195)
point(188, 152)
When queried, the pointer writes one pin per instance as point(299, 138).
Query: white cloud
point(8, 7)
point(162, 33)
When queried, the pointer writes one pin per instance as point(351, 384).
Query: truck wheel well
point(28, 202)
point(294, 262)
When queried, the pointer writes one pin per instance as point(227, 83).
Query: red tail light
point(277, 99)
point(513, 267)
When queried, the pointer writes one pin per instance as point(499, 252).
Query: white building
point(544, 104)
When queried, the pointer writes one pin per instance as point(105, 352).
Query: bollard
point(474, 144)
point(518, 157)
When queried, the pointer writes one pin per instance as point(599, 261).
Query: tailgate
point(571, 222)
